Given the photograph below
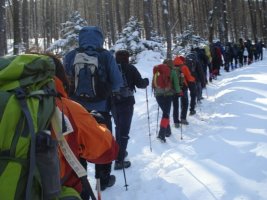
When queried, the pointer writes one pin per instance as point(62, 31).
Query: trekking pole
point(124, 174)
point(157, 121)
point(98, 189)
point(181, 131)
point(148, 121)
point(207, 92)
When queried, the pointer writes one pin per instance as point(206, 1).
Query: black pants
point(175, 113)
point(102, 171)
point(165, 105)
point(184, 103)
point(193, 96)
point(122, 114)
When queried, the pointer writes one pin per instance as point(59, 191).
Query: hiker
point(123, 107)
point(91, 42)
point(165, 85)
point(189, 81)
point(90, 140)
point(176, 97)
point(42, 173)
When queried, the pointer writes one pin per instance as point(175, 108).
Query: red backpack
point(161, 78)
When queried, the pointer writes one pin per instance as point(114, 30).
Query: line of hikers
point(174, 80)
point(61, 114)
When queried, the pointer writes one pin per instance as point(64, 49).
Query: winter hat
point(178, 60)
point(122, 56)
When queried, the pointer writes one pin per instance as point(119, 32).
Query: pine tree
point(69, 34)
point(187, 40)
point(130, 38)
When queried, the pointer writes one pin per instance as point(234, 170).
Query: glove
point(98, 117)
point(146, 82)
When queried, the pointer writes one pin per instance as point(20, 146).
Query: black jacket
point(134, 79)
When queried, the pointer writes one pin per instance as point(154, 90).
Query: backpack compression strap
point(21, 96)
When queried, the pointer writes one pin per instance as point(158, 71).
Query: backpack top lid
point(122, 56)
point(23, 70)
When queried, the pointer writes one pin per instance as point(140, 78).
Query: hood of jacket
point(178, 60)
point(91, 36)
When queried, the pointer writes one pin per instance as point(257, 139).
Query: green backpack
point(27, 103)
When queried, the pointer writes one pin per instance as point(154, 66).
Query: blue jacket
point(91, 37)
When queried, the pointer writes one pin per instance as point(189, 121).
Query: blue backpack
point(89, 79)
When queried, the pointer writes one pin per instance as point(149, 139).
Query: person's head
point(122, 57)
point(168, 62)
point(60, 71)
point(91, 36)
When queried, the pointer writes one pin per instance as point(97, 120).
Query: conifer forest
point(24, 22)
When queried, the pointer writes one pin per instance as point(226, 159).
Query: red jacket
point(89, 140)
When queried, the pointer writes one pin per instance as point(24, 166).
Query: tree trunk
point(165, 13)
point(25, 24)
point(253, 19)
point(112, 24)
point(107, 19)
point(179, 12)
point(147, 18)
point(211, 21)
point(118, 16)
point(2, 28)
point(16, 27)
point(264, 7)
point(225, 21)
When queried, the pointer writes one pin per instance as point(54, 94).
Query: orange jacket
point(179, 62)
point(89, 140)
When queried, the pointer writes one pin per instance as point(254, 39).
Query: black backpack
point(125, 90)
point(191, 62)
point(89, 78)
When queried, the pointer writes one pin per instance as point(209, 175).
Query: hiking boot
point(192, 112)
point(120, 164)
point(162, 133)
point(184, 121)
point(176, 125)
point(107, 183)
point(125, 154)
point(162, 138)
point(168, 131)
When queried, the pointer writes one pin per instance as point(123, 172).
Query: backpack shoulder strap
point(59, 125)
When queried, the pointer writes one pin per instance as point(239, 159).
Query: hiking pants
point(103, 171)
point(164, 103)
point(184, 103)
point(122, 114)
point(175, 113)
point(192, 89)
point(198, 90)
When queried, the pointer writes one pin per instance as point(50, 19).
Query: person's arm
point(137, 78)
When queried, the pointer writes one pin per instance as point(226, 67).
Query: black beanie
point(122, 56)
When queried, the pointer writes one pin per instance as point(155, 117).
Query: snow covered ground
point(223, 154)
